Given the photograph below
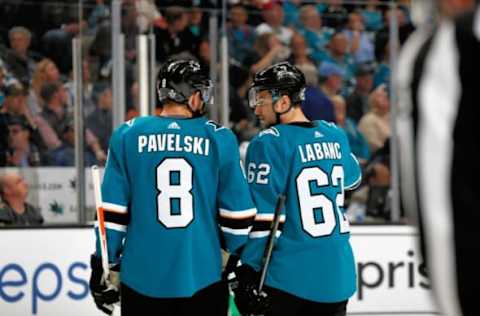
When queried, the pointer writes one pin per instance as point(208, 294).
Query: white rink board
point(45, 272)
point(390, 279)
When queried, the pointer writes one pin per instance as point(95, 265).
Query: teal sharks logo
point(56, 208)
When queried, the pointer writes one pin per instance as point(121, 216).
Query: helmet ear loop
point(279, 114)
point(201, 110)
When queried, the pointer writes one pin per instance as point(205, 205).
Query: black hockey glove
point(104, 293)
point(247, 298)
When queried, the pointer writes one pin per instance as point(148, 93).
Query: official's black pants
point(287, 304)
point(212, 300)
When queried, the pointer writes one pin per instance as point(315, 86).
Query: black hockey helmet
point(177, 80)
point(280, 79)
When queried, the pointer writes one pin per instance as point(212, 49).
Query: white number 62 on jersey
point(258, 174)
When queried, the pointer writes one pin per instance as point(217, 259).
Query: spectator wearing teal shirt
point(290, 7)
point(339, 55)
point(241, 36)
point(316, 35)
point(372, 16)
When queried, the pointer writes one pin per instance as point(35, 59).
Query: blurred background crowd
point(343, 48)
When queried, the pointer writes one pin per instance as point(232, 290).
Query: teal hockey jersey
point(311, 163)
point(171, 187)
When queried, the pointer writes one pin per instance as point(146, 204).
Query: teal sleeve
point(115, 196)
point(236, 208)
point(352, 170)
point(266, 174)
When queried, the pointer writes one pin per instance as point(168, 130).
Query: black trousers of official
point(284, 303)
point(212, 300)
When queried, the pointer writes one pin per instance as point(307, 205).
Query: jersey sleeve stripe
point(356, 183)
point(117, 218)
point(263, 234)
point(268, 217)
point(110, 207)
point(238, 214)
point(244, 231)
point(236, 223)
point(117, 227)
point(264, 226)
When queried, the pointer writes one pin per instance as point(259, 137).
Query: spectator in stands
point(254, 9)
point(133, 21)
point(176, 38)
point(13, 98)
point(203, 54)
point(244, 122)
point(87, 85)
point(372, 16)
point(46, 73)
point(195, 22)
point(130, 29)
point(148, 15)
point(375, 124)
point(55, 108)
point(100, 121)
point(331, 78)
point(291, 11)
point(241, 36)
point(317, 104)
point(377, 176)
point(101, 46)
point(358, 143)
point(56, 114)
point(335, 15)
point(57, 41)
point(14, 208)
point(99, 15)
point(382, 50)
point(64, 155)
point(357, 102)
point(299, 53)
point(22, 152)
point(361, 45)
point(382, 55)
point(16, 105)
point(3, 121)
point(273, 16)
point(268, 50)
point(339, 54)
point(315, 34)
point(20, 60)
point(405, 27)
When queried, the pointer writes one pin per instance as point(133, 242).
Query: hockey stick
point(271, 241)
point(101, 221)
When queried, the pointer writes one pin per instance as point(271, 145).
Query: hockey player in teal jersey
point(173, 184)
point(312, 267)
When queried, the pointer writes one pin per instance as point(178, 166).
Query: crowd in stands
point(341, 46)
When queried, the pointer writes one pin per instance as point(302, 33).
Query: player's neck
point(176, 110)
point(294, 115)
